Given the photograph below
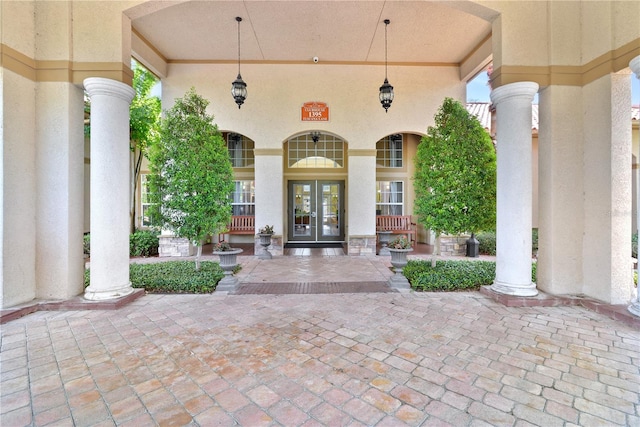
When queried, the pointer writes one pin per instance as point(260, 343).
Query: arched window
point(240, 150)
point(316, 150)
point(389, 151)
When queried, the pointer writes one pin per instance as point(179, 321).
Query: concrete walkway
point(355, 359)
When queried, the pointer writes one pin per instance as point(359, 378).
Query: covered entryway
point(316, 211)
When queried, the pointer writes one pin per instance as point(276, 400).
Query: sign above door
point(314, 112)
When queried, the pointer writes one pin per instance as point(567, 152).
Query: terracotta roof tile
point(482, 111)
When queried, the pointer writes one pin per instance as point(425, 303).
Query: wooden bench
point(397, 224)
point(240, 224)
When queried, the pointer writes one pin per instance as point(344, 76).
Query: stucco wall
point(276, 93)
point(59, 190)
point(607, 187)
point(561, 194)
point(19, 189)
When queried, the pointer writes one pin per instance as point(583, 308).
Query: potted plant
point(265, 234)
point(399, 248)
point(228, 263)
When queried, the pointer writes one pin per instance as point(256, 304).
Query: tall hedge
point(192, 176)
point(455, 178)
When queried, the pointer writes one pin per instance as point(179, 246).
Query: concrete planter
point(399, 261)
point(383, 238)
point(228, 261)
point(265, 242)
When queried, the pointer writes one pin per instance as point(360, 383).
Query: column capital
point(108, 87)
point(524, 91)
point(634, 64)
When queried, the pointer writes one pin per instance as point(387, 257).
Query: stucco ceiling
point(334, 31)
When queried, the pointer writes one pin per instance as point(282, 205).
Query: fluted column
point(634, 307)
point(514, 190)
point(110, 102)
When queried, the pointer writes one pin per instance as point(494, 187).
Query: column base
point(634, 308)
point(101, 295)
point(517, 290)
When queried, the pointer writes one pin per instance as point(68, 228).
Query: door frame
point(316, 216)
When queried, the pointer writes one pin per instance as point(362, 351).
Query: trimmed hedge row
point(141, 243)
point(487, 240)
point(173, 277)
point(452, 275)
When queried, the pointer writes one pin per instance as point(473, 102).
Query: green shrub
point(634, 245)
point(86, 244)
point(449, 275)
point(534, 272)
point(452, 275)
point(143, 243)
point(487, 240)
point(173, 277)
point(176, 277)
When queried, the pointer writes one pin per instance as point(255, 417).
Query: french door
point(316, 211)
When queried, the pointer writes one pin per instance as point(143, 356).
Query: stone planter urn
point(265, 242)
point(228, 262)
point(399, 261)
point(383, 238)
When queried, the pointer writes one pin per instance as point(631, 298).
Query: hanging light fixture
point(239, 87)
point(386, 90)
point(315, 137)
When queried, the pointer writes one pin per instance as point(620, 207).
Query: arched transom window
point(316, 150)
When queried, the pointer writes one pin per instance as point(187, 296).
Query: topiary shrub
point(143, 243)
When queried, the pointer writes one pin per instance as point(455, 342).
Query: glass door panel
point(316, 211)
point(304, 211)
point(331, 227)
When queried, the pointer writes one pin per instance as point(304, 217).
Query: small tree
point(455, 178)
point(191, 173)
point(144, 119)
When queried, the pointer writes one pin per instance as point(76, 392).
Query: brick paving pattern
point(386, 359)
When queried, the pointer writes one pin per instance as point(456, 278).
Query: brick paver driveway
point(336, 359)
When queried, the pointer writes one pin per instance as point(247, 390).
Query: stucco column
point(269, 182)
point(110, 101)
point(361, 203)
point(514, 190)
point(635, 305)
